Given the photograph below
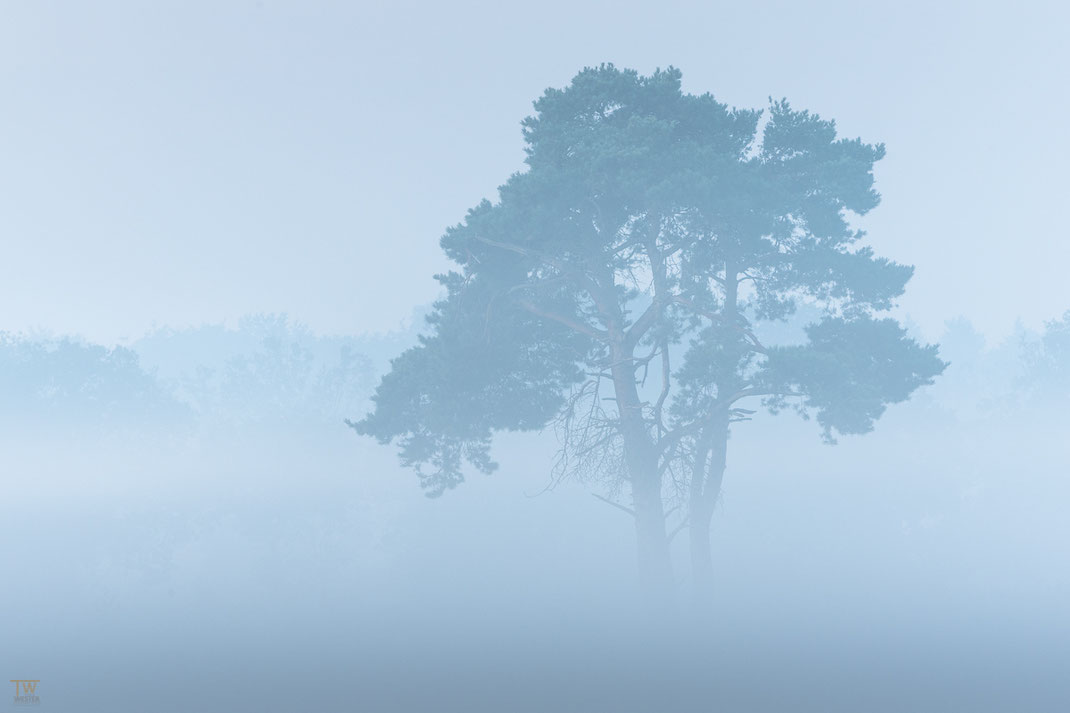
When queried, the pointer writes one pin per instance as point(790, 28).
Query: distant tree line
point(268, 370)
point(59, 382)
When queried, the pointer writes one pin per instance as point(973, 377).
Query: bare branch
point(676, 530)
point(642, 325)
point(601, 297)
point(678, 434)
point(753, 391)
point(593, 332)
point(616, 505)
point(666, 373)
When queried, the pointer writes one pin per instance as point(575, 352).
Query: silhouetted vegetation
point(66, 383)
point(616, 287)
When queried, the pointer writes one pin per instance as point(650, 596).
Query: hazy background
point(174, 163)
point(218, 223)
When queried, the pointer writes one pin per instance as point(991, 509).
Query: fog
point(178, 558)
point(219, 230)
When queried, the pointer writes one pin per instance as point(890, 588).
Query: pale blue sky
point(182, 162)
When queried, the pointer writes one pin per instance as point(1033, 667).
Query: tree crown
point(654, 227)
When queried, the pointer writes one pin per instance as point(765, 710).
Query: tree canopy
point(653, 231)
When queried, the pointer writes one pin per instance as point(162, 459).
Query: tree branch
point(676, 530)
point(616, 505)
point(666, 373)
point(598, 294)
point(642, 325)
point(752, 391)
point(714, 317)
point(587, 329)
point(678, 434)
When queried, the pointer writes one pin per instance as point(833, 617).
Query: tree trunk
point(655, 563)
point(701, 558)
point(705, 489)
point(709, 467)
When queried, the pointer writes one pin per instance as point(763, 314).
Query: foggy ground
point(227, 567)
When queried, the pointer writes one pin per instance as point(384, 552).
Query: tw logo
point(29, 695)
